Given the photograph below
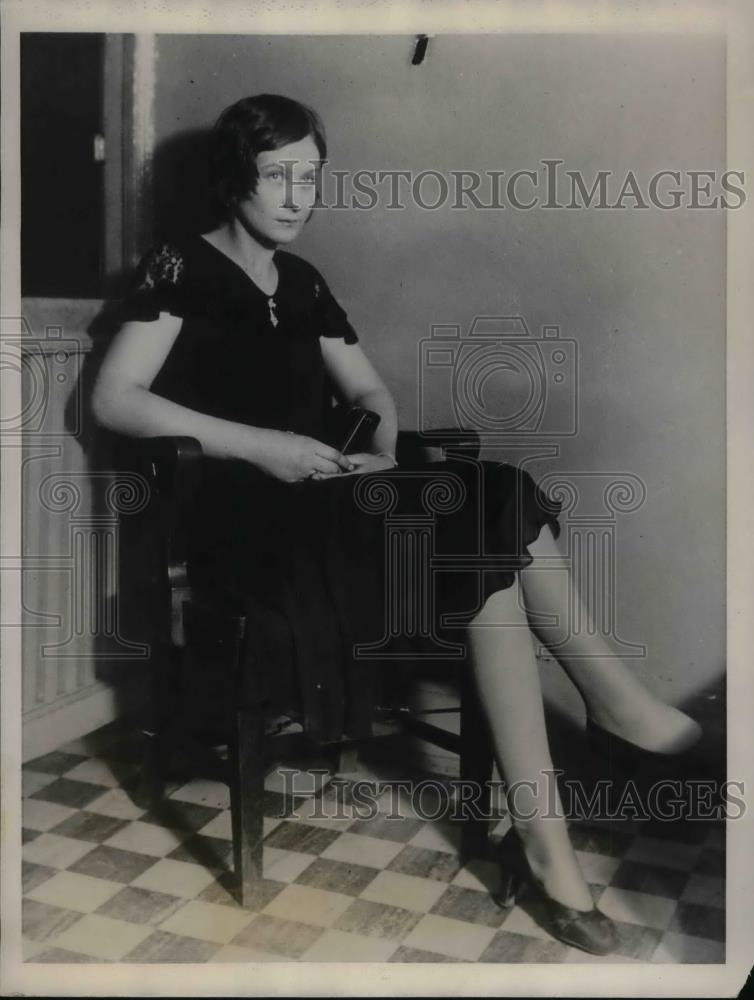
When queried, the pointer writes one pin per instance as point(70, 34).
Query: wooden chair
point(190, 630)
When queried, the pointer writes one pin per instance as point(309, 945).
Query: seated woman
point(231, 340)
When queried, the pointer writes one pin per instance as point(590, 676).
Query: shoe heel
point(511, 884)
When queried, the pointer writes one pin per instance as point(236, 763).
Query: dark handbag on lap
point(350, 429)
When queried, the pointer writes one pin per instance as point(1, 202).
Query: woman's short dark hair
point(251, 126)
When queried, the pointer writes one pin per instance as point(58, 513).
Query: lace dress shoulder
point(158, 285)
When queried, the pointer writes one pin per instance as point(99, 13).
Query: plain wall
point(642, 292)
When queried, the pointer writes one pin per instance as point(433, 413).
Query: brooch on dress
point(272, 306)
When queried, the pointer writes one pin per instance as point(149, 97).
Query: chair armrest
point(436, 445)
point(174, 465)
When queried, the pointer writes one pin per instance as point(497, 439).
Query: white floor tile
point(220, 826)
point(102, 937)
point(338, 946)
point(284, 866)
point(116, 803)
point(479, 874)
point(57, 852)
point(293, 779)
point(317, 813)
point(214, 794)
point(207, 921)
point(101, 772)
point(438, 837)
point(362, 850)
point(519, 922)
point(637, 907)
point(177, 878)
point(147, 838)
point(308, 905)
point(72, 891)
point(39, 815)
point(597, 868)
point(408, 891)
point(449, 937)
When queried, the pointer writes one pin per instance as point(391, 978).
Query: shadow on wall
point(181, 185)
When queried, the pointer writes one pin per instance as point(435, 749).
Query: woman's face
point(286, 191)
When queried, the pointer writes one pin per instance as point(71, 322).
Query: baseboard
point(45, 733)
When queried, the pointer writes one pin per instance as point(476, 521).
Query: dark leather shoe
point(587, 930)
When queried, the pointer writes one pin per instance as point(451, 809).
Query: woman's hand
point(293, 457)
point(364, 462)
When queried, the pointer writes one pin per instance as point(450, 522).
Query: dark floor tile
point(635, 941)
point(377, 920)
point(711, 862)
point(425, 863)
point(209, 852)
point(469, 905)
point(301, 837)
point(692, 950)
point(140, 906)
point(699, 921)
point(33, 875)
point(28, 835)
point(275, 805)
point(385, 828)
point(539, 952)
point(40, 921)
point(652, 879)
point(426, 957)
point(279, 937)
point(164, 947)
point(114, 864)
point(61, 956)
point(682, 831)
point(177, 815)
point(600, 840)
point(225, 890)
point(337, 876)
point(89, 826)
point(343, 798)
point(505, 947)
point(55, 763)
point(65, 792)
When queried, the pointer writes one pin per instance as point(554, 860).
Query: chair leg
point(476, 769)
point(151, 787)
point(158, 735)
point(247, 770)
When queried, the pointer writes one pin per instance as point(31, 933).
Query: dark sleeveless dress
point(340, 574)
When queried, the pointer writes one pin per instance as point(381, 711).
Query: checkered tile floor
point(105, 881)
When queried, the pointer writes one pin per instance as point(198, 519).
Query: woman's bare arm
point(122, 401)
point(357, 379)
